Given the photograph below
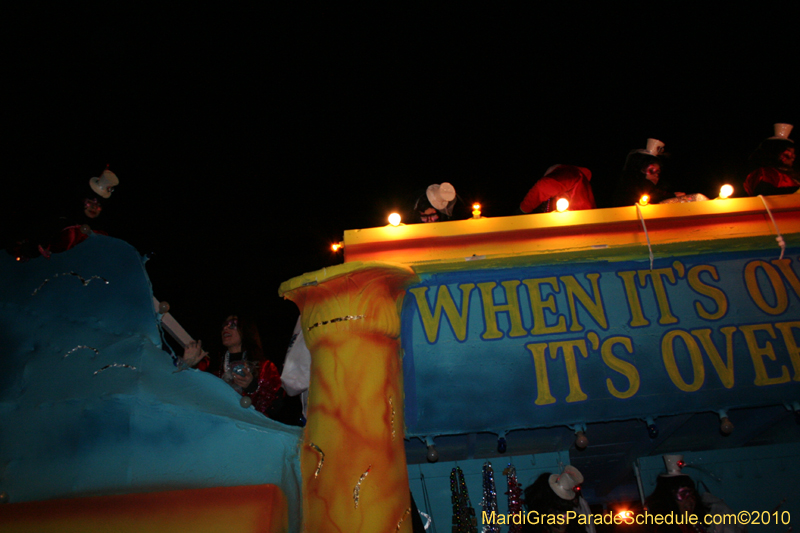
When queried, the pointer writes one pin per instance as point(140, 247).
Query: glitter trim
point(84, 281)
point(333, 320)
point(405, 514)
point(357, 488)
point(391, 404)
point(321, 458)
point(114, 365)
point(95, 350)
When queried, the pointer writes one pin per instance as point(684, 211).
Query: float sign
point(502, 349)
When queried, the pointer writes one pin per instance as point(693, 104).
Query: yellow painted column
point(353, 460)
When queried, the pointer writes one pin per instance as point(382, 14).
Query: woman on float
point(243, 366)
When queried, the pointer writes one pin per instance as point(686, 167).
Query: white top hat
point(674, 465)
point(782, 132)
point(654, 147)
point(564, 485)
point(104, 185)
point(441, 195)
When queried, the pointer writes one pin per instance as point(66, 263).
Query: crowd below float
point(552, 504)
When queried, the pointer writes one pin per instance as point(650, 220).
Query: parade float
point(600, 339)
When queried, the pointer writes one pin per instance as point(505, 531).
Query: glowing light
point(476, 210)
point(337, 246)
point(394, 219)
point(725, 191)
point(624, 514)
point(644, 200)
point(562, 205)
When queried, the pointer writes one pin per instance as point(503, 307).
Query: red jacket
point(772, 176)
point(561, 180)
point(269, 384)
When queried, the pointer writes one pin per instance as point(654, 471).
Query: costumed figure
point(560, 181)
point(775, 161)
point(243, 366)
point(75, 228)
point(296, 374)
point(50, 235)
point(676, 492)
point(641, 176)
point(555, 495)
point(437, 204)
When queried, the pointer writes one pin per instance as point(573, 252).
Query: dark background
point(247, 140)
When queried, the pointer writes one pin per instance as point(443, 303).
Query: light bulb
point(433, 455)
point(581, 442)
point(725, 426)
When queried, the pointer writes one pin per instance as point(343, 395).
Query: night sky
point(247, 140)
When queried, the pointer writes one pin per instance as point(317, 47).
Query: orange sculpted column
point(353, 457)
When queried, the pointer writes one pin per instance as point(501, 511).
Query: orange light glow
point(476, 210)
point(725, 191)
point(337, 246)
point(394, 219)
point(562, 205)
point(644, 200)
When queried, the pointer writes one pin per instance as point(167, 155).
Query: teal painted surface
point(591, 342)
point(71, 429)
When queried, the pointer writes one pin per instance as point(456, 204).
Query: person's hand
point(243, 381)
point(193, 353)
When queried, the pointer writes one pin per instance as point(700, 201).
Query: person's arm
point(542, 190)
point(195, 356)
point(766, 189)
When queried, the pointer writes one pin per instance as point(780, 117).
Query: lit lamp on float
point(725, 191)
point(337, 246)
point(394, 219)
point(644, 200)
point(625, 516)
point(562, 204)
point(476, 210)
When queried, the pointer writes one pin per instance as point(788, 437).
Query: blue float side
point(598, 341)
point(90, 404)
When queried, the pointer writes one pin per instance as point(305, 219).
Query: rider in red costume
point(775, 157)
point(560, 181)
